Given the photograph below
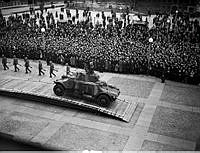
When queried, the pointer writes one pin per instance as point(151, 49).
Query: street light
point(168, 25)
point(43, 32)
point(150, 41)
point(176, 17)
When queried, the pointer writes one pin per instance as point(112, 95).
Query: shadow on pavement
point(7, 144)
point(197, 148)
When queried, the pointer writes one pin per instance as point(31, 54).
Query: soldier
point(40, 68)
point(67, 69)
point(116, 67)
point(163, 77)
point(163, 74)
point(62, 59)
point(120, 66)
point(72, 61)
point(27, 65)
point(91, 71)
point(47, 58)
point(4, 62)
point(15, 63)
point(52, 69)
point(106, 65)
point(86, 68)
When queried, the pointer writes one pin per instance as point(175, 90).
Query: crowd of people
point(121, 47)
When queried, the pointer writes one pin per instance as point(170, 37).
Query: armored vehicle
point(86, 86)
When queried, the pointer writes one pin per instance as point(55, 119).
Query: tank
point(88, 87)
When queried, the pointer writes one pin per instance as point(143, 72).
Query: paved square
point(22, 125)
point(132, 87)
point(176, 123)
point(156, 146)
point(81, 130)
point(181, 95)
point(74, 137)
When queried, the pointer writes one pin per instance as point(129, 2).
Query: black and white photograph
point(99, 75)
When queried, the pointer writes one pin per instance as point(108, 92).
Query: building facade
point(167, 5)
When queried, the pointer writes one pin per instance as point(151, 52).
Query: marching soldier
point(163, 77)
point(52, 69)
point(27, 65)
point(91, 71)
point(106, 65)
point(4, 62)
point(15, 63)
point(116, 67)
point(120, 66)
point(67, 69)
point(86, 68)
point(48, 58)
point(40, 68)
point(62, 59)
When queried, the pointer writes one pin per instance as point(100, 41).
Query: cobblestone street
point(166, 118)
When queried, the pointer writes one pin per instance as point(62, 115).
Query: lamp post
point(176, 14)
point(150, 41)
point(168, 27)
point(168, 20)
point(176, 18)
point(43, 38)
point(43, 32)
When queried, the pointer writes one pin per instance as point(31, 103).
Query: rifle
point(20, 65)
point(55, 70)
point(44, 69)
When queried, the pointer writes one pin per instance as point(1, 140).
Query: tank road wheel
point(58, 90)
point(103, 100)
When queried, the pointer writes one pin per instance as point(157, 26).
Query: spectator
point(174, 51)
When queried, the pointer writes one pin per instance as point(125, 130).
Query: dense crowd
point(118, 46)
